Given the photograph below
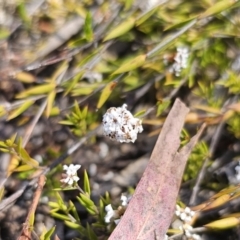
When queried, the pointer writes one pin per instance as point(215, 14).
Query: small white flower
point(110, 213)
point(237, 169)
point(181, 60)
point(196, 237)
point(166, 237)
point(120, 125)
point(124, 200)
point(71, 174)
point(185, 215)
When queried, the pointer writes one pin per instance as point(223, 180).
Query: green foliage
point(79, 120)
point(68, 213)
point(133, 51)
point(234, 125)
point(195, 161)
point(21, 161)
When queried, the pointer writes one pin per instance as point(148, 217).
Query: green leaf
point(66, 122)
point(73, 82)
point(27, 159)
point(25, 77)
point(49, 233)
point(88, 204)
point(60, 201)
point(77, 109)
point(50, 102)
point(2, 190)
point(179, 24)
point(122, 28)
point(146, 15)
point(21, 109)
point(53, 205)
point(23, 168)
point(140, 113)
point(162, 106)
point(86, 186)
point(222, 224)
point(106, 92)
point(60, 216)
point(76, 226)
point(131, 64)
point(88, 32)
point(43, 89)
point(220, 6)
point(74, 211)
point(90, 233)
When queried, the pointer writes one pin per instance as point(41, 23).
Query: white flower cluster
point(186, 215)
point(180, 61)
point(120, 125)
point(237, 168)
point(115, 215)
point(187, 229)
point(70, 177)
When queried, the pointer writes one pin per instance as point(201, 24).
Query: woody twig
point(28, 225)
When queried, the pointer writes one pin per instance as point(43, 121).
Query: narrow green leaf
point(23, 168)
point(122, 28)
point(43, 89)
point(131, 65)
point(21, 109)
point(74, 211)
point(50, 102)
point(162, 106)
point(53, 204)
point(25, 77)
point(73, 82)
point(60, 216)
point(86, 187)
point(222, 224)
point(60, 201)
point(13, 138)
point(59, 71)
point(140, 113)
point(88, 204)
point(85, 112)
point(77, 110)
point(179, 24)
point(4, 150)
point(76, 226)
point(2, 189)
point(145, 16)
point(217, 8)
point(66, 122)
point(27, 159)
point(88, 32)
point(106, 92)
point(49, 233)
point(86, 200)
point(91, 234)
point(3, 144)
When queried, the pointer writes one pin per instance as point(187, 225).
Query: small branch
point(27, 226)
